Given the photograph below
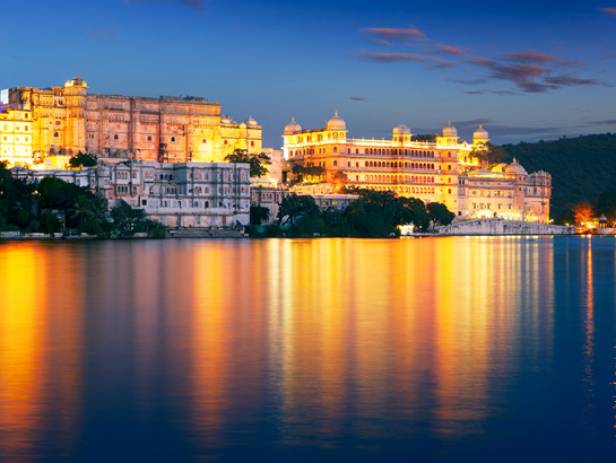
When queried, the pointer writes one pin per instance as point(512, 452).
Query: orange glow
point(21, 339)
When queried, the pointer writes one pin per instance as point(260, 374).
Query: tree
point(339, 179)
point(17, 204)
point(82, 160)
point(257, 162)
point(380, 213)
point(127, 221)
point(438, 214)
point(606, 205)
point(50, 223)
point(307, 174)
point(88, 215)
point(491, 154)
point(258, 214)
point(582, 168)
point(583, 213)
point(57, 194)
point(301, 214)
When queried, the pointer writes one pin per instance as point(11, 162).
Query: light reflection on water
point(438, 348)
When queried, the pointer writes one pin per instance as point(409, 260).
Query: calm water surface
point(450, 349)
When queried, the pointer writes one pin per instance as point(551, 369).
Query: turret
point(481, 138)
point(401, 134)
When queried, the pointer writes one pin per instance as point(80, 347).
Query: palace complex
point(446, 170)
point(40, 129)
point(37, 124)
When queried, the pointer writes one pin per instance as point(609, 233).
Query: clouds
point(394, 57)
point(450, 50)
point(530, 77)
point(609, 10)
point(526, 71)
point(530, 56)
point(388, 35)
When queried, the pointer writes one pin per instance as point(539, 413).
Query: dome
point(336, 123)
point(450, 131)
point(251, 122)
point(481, 134)
point(76, 82)
point(292, 127)
point(515, 168)
point(402, 130)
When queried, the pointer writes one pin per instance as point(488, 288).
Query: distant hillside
point(582, 168)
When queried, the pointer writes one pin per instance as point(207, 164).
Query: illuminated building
point(16, 137)
point(446, 170)
point(66, 120)
point(180, 195)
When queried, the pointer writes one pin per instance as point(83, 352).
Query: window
point(149, 137)
point(172, 139)
point(115, 137)
point(144, 202)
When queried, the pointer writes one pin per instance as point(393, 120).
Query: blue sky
point(527, 69)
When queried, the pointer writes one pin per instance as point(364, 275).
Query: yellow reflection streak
point(21, 339)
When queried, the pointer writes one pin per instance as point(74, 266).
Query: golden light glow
point(65, 120)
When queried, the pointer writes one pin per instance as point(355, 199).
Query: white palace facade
point(446, 170)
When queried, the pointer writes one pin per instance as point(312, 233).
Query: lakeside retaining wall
point(503, 227)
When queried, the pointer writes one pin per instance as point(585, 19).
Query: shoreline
point(214, 236)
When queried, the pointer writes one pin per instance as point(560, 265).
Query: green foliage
point(156, 230)
point(82, 160)
point(492, 154)
point(57, 194)
point(258, 214)
point(128, 221)
point(50, 223)
point(438, 214)
point(257, 162)
point(17, 205)
point(87, 215)
point(582, 168)
point(307, 174)
point(379, 213)
point(373, 214)
point(606, 205)
point(300, 214)
point(54, 206)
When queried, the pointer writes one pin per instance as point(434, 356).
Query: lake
point(329, 350)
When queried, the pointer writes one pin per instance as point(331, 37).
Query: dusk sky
point(527, 69)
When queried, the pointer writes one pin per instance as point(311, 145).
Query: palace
point(39, 123)
point(446, 170)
